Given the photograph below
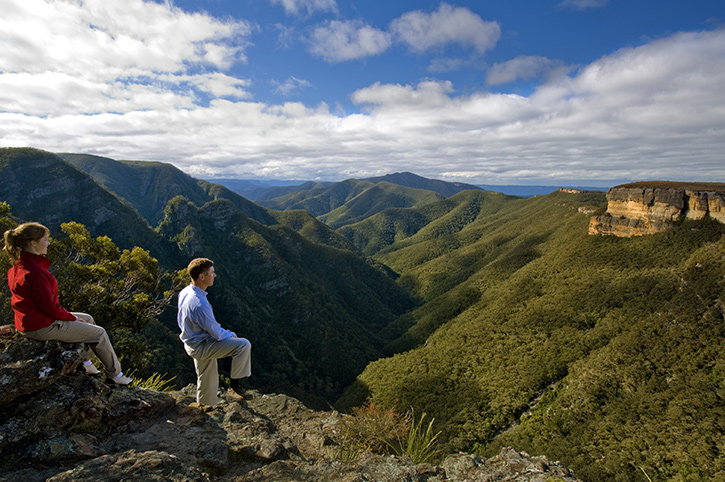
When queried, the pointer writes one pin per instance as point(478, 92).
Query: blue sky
point(565, 92)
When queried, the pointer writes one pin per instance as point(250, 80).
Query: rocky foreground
point(58, 424)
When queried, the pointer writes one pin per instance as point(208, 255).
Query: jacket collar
point(27, 256)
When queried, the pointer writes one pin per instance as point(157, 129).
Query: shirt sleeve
point(204, 316)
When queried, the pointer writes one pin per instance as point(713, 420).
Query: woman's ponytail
point(18, 238)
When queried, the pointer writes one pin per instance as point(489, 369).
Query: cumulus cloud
point(426, 95)
point(639, 113)
point(337, 41)
point(103, 37)
point(60, 58)
point(448, 25)
point(296, 7)
point(524, 67)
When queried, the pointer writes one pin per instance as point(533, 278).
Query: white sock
point(119, 375)
point(88, 363)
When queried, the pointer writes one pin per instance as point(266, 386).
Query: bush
point(372, 428)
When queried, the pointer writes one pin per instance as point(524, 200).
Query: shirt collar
point(197, 289)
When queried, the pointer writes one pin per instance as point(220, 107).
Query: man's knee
point(243, 345)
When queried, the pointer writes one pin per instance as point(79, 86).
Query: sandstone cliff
point(651, 207)
point(67, 426)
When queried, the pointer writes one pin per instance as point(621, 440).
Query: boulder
point(151, 466)
point(27, 366)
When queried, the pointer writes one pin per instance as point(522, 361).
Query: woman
point(34, 298)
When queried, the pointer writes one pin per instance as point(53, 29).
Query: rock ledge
point(642, 208)
point(73, 427)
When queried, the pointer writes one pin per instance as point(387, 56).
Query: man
point(205, 340)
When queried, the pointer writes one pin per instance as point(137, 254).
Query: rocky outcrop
point(27, 366)
point(646, 208)
point(74, 427)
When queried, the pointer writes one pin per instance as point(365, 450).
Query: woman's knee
point(84, 317)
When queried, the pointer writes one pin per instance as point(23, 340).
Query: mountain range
point(261, 190)
point(499, 316)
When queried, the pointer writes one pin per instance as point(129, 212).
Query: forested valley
point(498, 316)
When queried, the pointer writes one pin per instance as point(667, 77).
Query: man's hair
point(198, 267)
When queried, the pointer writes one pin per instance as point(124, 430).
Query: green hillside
point(375, 199)
point(39, 186)
point(428, 221)
point(320, 198)
point(329, 201)
point(149, 186)
point(259, 195)
point(314, 313)
point(603, 352)
point(408, 179)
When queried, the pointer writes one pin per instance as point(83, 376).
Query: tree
point(124, 290)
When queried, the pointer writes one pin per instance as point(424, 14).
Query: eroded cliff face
point(646, 208)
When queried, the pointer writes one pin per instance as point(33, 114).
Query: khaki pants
point(86, 331)
point(205, 355)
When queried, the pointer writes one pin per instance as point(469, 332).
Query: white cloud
point(286, 35)
point(103, 37)
point(425, 96)
point(291, 86)
point(217, 84)
point(448, 25)
point(337, 41)
point(66, 57)
point(654, 111)
point(295, 7)
point(524, 67)
point(582, 4)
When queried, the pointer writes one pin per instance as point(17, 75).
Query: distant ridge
point(530, 191)
point(265, 190)
point(40, 186)
point(256, 191)
point(149, 186)
point(408, 179)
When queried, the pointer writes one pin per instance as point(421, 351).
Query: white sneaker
point(121, 380)
point(91, 369)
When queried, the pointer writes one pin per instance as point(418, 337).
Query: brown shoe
point(238, 393)
point(201, 406)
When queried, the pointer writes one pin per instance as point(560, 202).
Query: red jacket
point(34, 293)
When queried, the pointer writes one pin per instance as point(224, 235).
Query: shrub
point(372, 428)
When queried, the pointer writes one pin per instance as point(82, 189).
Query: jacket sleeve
point(45, 299)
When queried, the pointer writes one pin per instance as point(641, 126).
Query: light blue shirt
point(196, 318)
